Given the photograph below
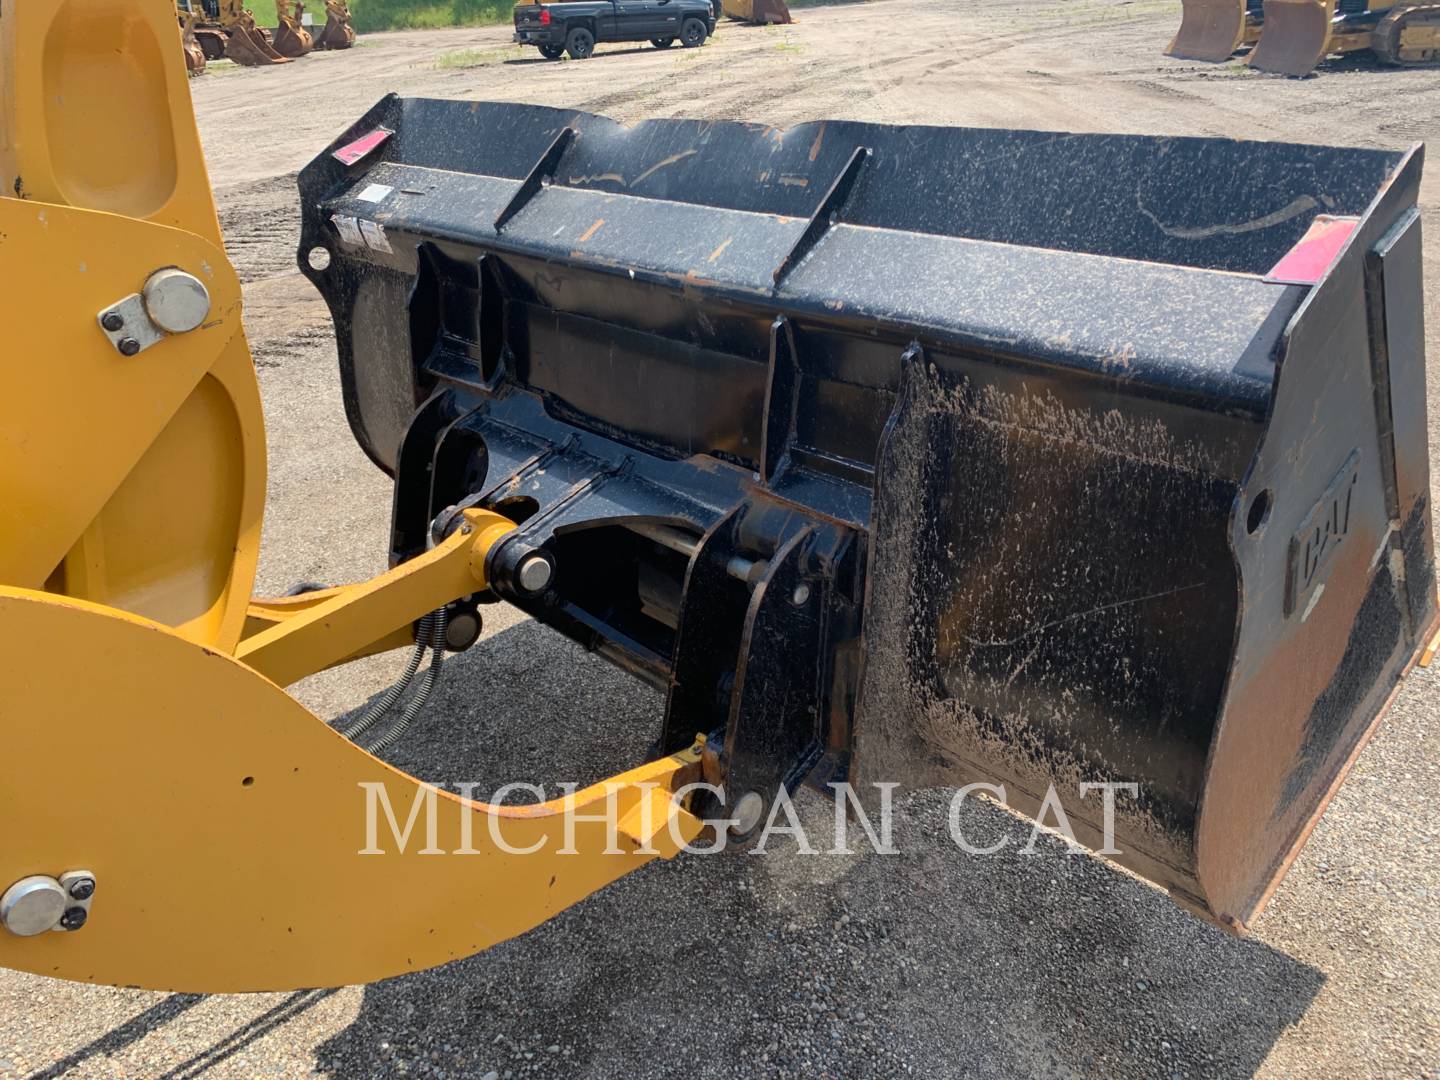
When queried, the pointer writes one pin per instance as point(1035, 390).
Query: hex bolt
point(128, 346)
point(800, 595)
point(74, 918)
point(82, 889)
point(112, 321)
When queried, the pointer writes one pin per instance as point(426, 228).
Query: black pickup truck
point(574, 27)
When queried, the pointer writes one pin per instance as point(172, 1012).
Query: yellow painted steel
point(137, 482)
point(145, 736)
point(96, 447)
point(95, 112)
point(1428, 656)
point(265, 612)
point(326, 633)
point(224, 822)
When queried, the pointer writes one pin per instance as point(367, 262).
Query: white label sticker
point(349, 230)
point(374, 193)
point(374, 234)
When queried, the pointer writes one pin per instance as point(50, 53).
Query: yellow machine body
point(190, 41)
point(227, 826)
point(1291, 37)
point(337, 33)
point(212, 808)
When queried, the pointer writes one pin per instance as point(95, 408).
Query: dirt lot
point(930, 963)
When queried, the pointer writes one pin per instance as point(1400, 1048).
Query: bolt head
point(82, 889)
point(32, 905)
point(748, 812)
point(801, 595)
point(461, 631)
point(534, 573)
point(74, 918)
point(176, 302)
point(128, 346)
point(112, 321)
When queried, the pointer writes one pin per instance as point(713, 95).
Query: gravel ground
point(928, 962)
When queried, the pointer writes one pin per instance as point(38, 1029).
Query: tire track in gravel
point(260, 223)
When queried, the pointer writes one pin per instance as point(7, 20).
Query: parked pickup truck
point(574, 27)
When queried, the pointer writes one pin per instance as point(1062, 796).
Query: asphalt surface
point(929, 962)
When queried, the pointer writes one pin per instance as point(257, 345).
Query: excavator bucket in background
point(337, 33)
point(759, 12)
point(247, 44)
point(1210, 29)
point(1296, 38)
point(189, 43)
point(291, 38)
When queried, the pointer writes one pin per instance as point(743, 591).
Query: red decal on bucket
point(352, 152)
point(1314, 253)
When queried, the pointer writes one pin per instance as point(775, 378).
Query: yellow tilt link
point(360, 615)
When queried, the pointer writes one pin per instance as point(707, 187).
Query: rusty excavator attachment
point(759, 12)
point(1215, 29)
point(1296, 38)
point(337, 33)
point(1098, 477)
point(1291, 37)
point(1300, 34)
point(189, 43)
point(248, 45)
point(291, 39)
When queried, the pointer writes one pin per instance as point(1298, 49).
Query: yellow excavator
point(1290, 37)
point(226, 29)
point(1115, 503)
point(216, 29)
point(189, 40)
point(291, 38)
point(337, 33)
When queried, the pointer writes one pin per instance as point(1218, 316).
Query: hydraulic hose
point(438, 621)
point(386, 701)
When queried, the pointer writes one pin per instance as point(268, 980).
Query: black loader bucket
point(922, 455)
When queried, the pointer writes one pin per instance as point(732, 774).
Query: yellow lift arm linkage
point(148, 745)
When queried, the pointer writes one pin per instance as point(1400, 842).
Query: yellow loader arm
point(173, 819)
